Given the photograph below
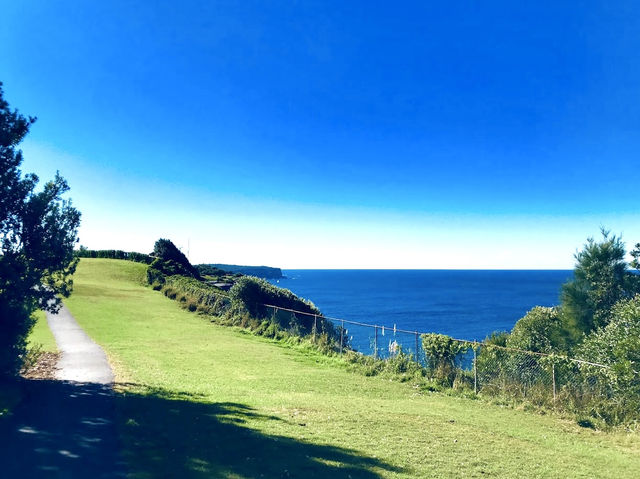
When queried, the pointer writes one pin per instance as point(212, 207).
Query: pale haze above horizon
point(300, 135)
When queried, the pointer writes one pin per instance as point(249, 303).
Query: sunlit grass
point(216, 401)
point(41, 334)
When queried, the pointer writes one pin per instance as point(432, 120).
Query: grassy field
point(200, 400)
point(41, 334)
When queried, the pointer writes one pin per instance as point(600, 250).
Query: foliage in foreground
point(37, 233)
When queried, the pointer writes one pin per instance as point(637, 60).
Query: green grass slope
point(41, 335)
point(200, 400)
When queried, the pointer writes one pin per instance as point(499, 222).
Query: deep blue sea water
point(463, 304)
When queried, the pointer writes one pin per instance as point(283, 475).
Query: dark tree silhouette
point(166, 251)
point(37, 234)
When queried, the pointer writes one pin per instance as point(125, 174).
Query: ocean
point(465, 304)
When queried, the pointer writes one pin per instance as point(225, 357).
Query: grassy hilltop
point(201, 400)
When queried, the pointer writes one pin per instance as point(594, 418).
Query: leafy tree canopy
point(38, 231)
point(540, 330)
point(253, 293)
point(600, 281)
point(619, 341)
point(617, 345)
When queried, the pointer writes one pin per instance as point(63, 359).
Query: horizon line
point(424, 269)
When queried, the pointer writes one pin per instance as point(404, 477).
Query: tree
point(38, 231)
point(166, 251)
point(635, 254)
point(600, 281)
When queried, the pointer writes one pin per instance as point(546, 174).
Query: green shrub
point(617, 346)
point(492, 361)
point(404, 366)
point(254, 293)
point(540, 330)
point(443, 355)
point(400, 367)
point(203, 308)
point(262, 327)
point(166, 268)
point(208, 298)
point(155, 276)
point(190, 305)
point(31, 357)
point(463, 381)
point(169, 292)
point(251, 294)
point(272, 331)
point(238, 308)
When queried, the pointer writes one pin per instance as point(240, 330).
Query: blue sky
point(335, 134)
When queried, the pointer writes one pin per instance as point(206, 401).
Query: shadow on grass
point(65, 429)
point(172, 434)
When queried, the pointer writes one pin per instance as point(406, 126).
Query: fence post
point(315, 326)
point(553, 379)
point(475, 369)
point(375, 342)
point(417, 360)
point(341, 335)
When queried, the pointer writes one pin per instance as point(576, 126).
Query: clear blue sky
point(336, 134)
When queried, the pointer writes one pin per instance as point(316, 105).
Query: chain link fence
point(596, 393)
point(542, 379)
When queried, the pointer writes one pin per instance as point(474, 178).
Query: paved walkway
point(82, 359)
point(65, 428)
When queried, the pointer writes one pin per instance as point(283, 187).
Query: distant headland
point(266, 272)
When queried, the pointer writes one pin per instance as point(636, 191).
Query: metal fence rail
point(487, 368)
point(544, 379)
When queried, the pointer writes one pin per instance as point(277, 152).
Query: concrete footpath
point(65, 427)
point(82, 359)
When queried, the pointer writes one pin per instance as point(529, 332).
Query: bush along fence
point(588, 389)
point(245, 306)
